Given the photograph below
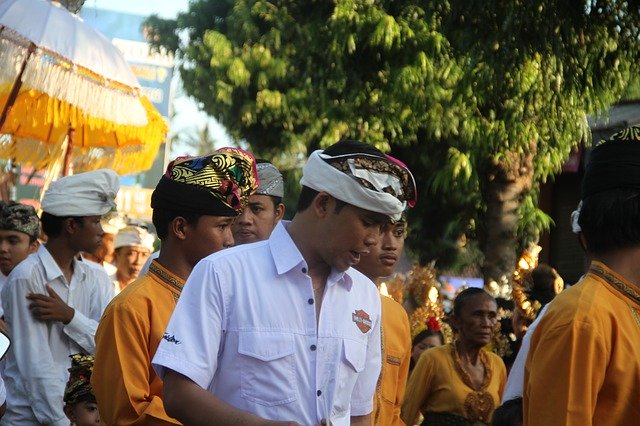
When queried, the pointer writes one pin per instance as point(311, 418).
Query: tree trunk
point(506, 185)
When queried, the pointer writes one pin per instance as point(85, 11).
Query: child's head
point(79, 401)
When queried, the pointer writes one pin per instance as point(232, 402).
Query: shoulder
point(393, 309)
point(27, 268)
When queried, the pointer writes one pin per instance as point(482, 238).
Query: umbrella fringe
point(124, 161)
point(61, 79)
point(34, 114)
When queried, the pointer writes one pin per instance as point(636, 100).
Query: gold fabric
point(583, 367)
point(436, 385)
point(127, 388)
point(396, 356)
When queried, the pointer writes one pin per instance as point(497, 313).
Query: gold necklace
point(478, 404)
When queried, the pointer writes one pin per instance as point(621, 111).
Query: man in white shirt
point(53, 301)
point(284, 331)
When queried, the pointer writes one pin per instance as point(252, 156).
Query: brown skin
point(76, 236)
point(257, 220)
point(83, 413)
point(15, 246)
point(426, 343)
point(129, 261)
point(475, 326)
point(326, 239)
point(382, 259)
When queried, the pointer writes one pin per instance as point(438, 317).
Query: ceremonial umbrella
point(64, 87)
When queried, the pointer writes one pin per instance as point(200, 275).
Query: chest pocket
point(353, 361)
point(268, 374)
point(391, 375)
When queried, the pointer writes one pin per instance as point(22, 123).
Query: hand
point(4, 327)
point(50, 308)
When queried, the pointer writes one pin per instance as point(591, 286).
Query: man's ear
point(71, 225)
point(178, 227)
point(322, 204)
point(33, 247)
point(280, 211)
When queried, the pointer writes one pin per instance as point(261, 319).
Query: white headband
point(319, 175)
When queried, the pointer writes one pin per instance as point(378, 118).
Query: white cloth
point(85, 194)
point(515, 381)
point(3, 282)
point(270, 180)
point(319, 175)
point(135, 236)
point(38, 359)
point(246, 327)
point(145, 267)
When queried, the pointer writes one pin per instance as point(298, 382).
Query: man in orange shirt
point(583, 367)
point(194, 205)
point(396, 335)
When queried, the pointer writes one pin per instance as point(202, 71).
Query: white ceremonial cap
point(85, 194)
point(134, 236)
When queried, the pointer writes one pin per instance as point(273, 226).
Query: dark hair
point(463, 298)
point(543, 289)
point(52, 225)
point(610, 220)
point(419, 338)
point(161, 219)
point(508, 414)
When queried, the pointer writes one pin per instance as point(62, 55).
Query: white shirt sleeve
point(82, 329)
point(191, 343)
point(365, 387)
point(41, 378)
point(515, 382)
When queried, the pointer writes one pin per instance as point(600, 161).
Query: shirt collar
point(51, 268)
point(286, 256)
point(615, 280)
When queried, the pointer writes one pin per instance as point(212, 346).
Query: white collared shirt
point(515, 381)
point(245, 330)
point(38, 359)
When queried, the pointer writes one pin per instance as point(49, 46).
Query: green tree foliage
point(482, 99)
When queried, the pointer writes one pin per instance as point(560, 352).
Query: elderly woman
point(459, 383)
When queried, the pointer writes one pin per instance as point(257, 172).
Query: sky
point(187, 116)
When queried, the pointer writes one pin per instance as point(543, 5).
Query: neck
point(466, 352)
point(173, 259)
point(62, 254)
point(624, 262)
point(300, 232)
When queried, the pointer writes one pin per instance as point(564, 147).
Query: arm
point(361, 420)
point(563, 373)
point(121, 378)
point(417, 389)
point(77, 326)
point(403, 373)
point(40, 375)
point(365, 386)
point(194, 406)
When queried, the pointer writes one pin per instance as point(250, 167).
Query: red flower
point(433, 324)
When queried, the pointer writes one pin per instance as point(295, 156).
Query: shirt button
point(319, 393)
point(312, 347)
point(304, 270)
point(310, 301)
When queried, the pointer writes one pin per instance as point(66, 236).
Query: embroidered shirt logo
point(362, 320)
point(171, 338)
point(393, 360)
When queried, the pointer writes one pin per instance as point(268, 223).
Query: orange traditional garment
point(583, 367)
point(396, 356)
point(437, 385)
point(126, 386)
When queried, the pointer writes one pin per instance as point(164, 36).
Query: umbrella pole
point(16, 87)
point(66, 162)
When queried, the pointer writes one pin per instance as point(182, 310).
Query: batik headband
point(372, 183)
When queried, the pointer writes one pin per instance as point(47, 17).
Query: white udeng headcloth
point(319, 175)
